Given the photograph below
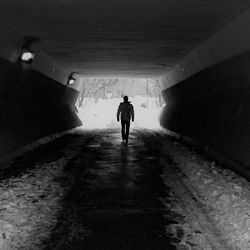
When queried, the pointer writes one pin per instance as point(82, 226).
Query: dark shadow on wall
point(32, 106)
point(213, 108)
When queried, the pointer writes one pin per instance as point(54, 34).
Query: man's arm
point(132, 113)
point(118, 112)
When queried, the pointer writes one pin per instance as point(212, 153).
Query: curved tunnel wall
point(208, 98)
point(34, 99)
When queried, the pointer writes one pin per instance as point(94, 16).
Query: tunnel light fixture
point(71, 80)
point(27, 56)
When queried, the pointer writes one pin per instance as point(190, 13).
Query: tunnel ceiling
point(120, 37)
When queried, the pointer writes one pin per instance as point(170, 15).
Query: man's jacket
point(126, 110)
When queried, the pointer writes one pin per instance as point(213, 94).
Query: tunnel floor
point(88, 190)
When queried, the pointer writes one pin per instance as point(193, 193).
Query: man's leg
point(123, 130)
point(127, 130)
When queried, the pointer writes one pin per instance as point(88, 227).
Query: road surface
point(88, 190)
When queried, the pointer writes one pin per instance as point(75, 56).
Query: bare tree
point(116, 88)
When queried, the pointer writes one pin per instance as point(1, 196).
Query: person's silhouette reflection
point(125, 112)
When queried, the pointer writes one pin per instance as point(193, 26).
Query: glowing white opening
point(27, 56)
point(98, 103)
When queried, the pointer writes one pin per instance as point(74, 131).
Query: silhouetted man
point(126, 110)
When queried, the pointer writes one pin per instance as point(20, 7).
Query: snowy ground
point(204, 205)
point(31, 193)
point(224, 196)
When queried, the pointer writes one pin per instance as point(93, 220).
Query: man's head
point(125, 98)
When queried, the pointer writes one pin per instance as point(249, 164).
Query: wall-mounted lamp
point(71, 80)
point(27, 56)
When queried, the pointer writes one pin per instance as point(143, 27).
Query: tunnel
point(180, 185)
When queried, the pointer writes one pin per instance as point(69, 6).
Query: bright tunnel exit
point(99, 99)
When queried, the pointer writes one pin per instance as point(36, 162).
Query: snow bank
point(224, 194)
point(31, 202)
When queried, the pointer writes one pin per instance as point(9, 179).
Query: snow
point(102, 113)
point(31, 202)
point(224, 195)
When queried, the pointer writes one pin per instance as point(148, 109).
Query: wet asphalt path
point(115, 200)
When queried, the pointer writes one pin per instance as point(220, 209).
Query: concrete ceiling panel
point(122, 38)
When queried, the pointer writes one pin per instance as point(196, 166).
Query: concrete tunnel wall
point(35, 100)
point(208, 94)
